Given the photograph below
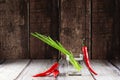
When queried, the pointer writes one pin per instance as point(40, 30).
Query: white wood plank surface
point(12, 68)
point(105, 70)
point(24, 70)
point(36, 67)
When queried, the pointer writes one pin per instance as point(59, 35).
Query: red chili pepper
point(52, 69)
point(86, 59)
point(55, 73)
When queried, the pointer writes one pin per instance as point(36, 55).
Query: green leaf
point(57, 45)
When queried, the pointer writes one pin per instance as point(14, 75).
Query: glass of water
point(71, 71)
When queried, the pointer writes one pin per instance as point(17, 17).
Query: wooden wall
point(70, 21)
point(105, 29)
point(13, 29)
point(115, 51)
point(18, 18)
point(75, 24)
point(43, 19)
point(95, 20)
point(102, 23)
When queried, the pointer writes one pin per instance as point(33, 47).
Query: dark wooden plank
point(102, 26)
point(88, 30)
point(115, 51)
point(13, 29)
point(75, 23)
point(43, 19)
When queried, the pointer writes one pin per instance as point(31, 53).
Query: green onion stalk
point(57, 45)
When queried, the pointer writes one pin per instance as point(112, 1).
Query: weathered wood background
point(102, 24)
point(70, 21)
point(43, 19)
point(75, 20)
point(105, 29)
point(13, 29)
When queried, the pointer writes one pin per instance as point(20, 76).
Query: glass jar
point(71, 71)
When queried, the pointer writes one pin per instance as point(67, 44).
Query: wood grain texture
point(44, 20)
point(102, 27)
point(115, 51)
point(42, 65)
point(13, 29)
point(76, 20)
point(25, 69)
point(35, 67)
point(105, 70)
point(12, 68)
point(87, 31)
point(74, 24)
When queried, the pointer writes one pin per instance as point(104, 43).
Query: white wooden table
point(25, 69)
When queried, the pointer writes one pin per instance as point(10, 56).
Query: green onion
point(57, 45)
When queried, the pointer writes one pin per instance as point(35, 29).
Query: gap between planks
point(116, 63)
point(23, 69)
